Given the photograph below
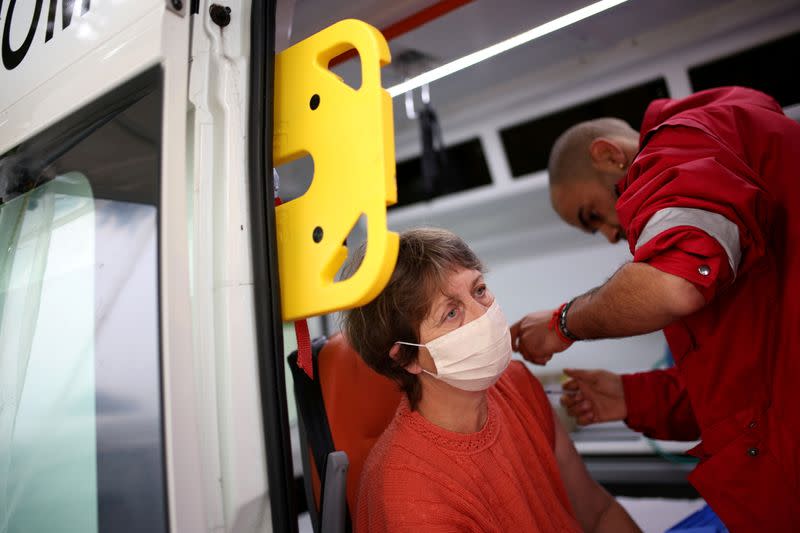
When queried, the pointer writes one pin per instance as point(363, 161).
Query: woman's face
point(462, 298)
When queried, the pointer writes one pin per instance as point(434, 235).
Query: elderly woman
point(474, 445)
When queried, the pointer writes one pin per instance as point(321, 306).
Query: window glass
point(466, 168)
point(81, 441)
point(767, 67)
point(47, 381)
point(527, 144)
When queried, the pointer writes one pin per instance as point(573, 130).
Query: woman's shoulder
point(408, 485)
point(398, 447)
point(519, 391)
point(402, 465)
point(519, 378)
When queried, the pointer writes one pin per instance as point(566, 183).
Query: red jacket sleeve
point(695, 209)
point(659, 406)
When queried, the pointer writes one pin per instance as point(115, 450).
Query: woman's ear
point(411, 368)
point(394, 350)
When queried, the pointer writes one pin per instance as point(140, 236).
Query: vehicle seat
point(346, 407)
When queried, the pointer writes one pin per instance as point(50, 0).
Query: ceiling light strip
point(503, 46)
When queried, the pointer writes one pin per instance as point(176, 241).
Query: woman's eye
point(480, 292)
point(452, 314)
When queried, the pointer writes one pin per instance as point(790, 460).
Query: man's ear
point(606, 154)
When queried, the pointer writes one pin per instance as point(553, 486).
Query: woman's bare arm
point(595, 509)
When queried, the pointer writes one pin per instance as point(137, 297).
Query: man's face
point(590, 205)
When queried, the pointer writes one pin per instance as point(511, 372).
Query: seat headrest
point(359, 403)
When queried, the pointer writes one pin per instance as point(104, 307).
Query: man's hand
point(595, 396)
point(532, 337)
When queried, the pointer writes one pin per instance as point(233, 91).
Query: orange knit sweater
point(504, 478)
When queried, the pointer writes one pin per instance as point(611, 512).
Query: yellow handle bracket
point(349, 134)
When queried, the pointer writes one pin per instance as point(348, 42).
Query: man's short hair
point(569, 157)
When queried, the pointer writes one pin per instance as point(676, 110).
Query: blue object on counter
point(702, 521)
point(668, 359)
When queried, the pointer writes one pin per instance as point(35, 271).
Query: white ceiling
point(311, 16)
point(484, 22)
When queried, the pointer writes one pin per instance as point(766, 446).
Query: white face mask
point(474, 356)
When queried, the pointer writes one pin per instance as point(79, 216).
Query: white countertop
point(614, 438)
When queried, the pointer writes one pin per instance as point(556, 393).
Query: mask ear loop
point(419, 346)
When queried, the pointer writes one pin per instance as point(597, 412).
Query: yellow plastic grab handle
point(350, 136)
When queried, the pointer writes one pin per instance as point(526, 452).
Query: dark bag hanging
point(437, 172)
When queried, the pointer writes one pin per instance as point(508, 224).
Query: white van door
point(98, 425)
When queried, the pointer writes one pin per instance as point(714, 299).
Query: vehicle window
point(761, 67)
point(528, 144)
point(81, 441)
point(467, 169)
point(47, 430)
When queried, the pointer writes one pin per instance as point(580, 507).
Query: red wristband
point(553, 325)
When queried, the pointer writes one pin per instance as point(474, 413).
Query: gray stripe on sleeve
point(725, 232)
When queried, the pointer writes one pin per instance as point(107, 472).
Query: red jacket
point(659, 406)
point(714, 197)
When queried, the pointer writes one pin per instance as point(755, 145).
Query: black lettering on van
point(66, 15)
point(13, 58)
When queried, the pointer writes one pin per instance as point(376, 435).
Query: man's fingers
point(589, 376)
point(571, 385)
point(568, 400)
point(577, 407)
point(530, 347)
point(529, 355)
point(582, 412)
point(523, 350)
point(578, 411)
point(515, 333)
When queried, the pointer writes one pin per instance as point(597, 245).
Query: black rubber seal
point(266, 289)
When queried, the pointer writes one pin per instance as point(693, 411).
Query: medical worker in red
point(708, 199)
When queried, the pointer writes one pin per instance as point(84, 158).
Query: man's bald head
point(586, 162)
point(571, 156)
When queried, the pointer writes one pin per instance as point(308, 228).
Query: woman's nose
point(476, 309)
